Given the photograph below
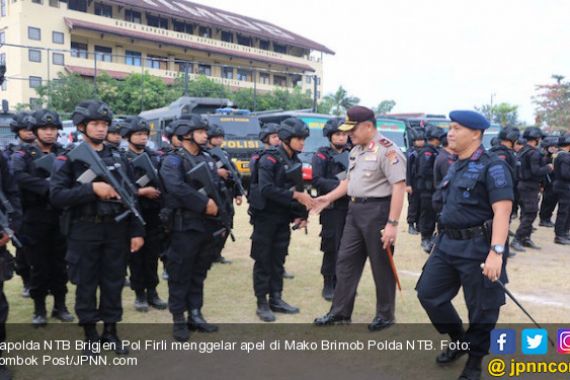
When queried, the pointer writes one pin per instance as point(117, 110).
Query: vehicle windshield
point(237, 126)
point(316, 139)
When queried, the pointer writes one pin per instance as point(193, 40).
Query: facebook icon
point(503, 342)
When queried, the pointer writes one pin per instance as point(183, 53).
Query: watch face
point(499, 248)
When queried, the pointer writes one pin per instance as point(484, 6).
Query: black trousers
point(3, 312)
point(548, 204)
point(45, 252)
point(188, 260)
point(143, 265)
point(413, 207)
point(269, 245)
point(441, 279)
point(97, 259)
point(332, 222)
point(528, 201)
point(22, 265)
point(427, 215)
point(563, 216)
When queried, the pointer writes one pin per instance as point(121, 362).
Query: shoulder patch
point(321, 156)
point(498, 173)
point(385, 142)
point(392, 156)
point(272, 159)
point(427, 153)
point(61, 158)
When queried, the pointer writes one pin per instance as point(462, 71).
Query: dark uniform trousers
point(45, 252)
point(361, 240)
point(548, 204)
point(528, 201)
point(427, 215)
point(413, 207)
point(3, 310)
point(269, 245)
point(562, 224)
point(97, 257)
point(143, 265)
point(332, 221)
point(442, 277)
point(188, 260)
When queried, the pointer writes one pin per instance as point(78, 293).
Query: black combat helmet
point(182, 127)
point(46, 118)
point(267, 130)
point(91, 110)
point(133, 125)
point(215, 130)
point(331, 126)
point(293, 127)
point(22, 120)
point(532, 133)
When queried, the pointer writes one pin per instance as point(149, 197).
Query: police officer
point(114, 137)
point(281, 200)
point(473, 225)
point(21, 127)
point(417, 136)
point(143, 265)
point(216, 137)
point(45, 244)
point(562, 188)
point(549, 197)
point(531, 173)
point(195, 229)
point(327, 174)
point(425, 184)
point(97, 245)
point(444, 160)
point(376, 187)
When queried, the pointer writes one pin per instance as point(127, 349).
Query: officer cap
point(91, 110)
point(355, 115)
point(533, 133)
point(215, 130)
point(132, 125)
point(266, 130)
point(293, 127)
point(45, 118)
point(470, 119)
point(183, 126)
point(331, 126)
point(21, 120)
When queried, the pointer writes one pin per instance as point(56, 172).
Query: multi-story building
point(41, 38)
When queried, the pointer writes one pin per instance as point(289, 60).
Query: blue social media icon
point(534, 341)
point(503, 341)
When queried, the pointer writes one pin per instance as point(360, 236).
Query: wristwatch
point(498, 249)
point(392, 222)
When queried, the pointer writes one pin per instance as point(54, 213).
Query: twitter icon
point(534, 341)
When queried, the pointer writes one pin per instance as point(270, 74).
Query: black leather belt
point(372, 199)
point(465, 233)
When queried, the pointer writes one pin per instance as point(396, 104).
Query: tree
point(505, 114)
point(341, 101)
point(385, 106)
point(139, 92)
point(66, 92)
point(553, 103)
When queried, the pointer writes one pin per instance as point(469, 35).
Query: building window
point(57, 38)
point(3, 8)
point(244, 75)
point(156, 62)
point(54, 3)
point(181, 66)
point(78, 50)
point(34, 33)
point(279, 80)
point(280, 48)
point(133, 58)
point(242, 40)
point(104, 53)
point(35, 103)
point(156, 21)
point(103, 10)
point(34, 55)
point(264, 78)
point(133, 16)
point(228, 72)
point(2, 37)
point(263, 44)
point(77, 5)
point(37, 1)
point(227, 36)
point(205, 70)
point(308, 79)
point(35, 82)
point(205, 32)
point(58, 59)
point(182, 27)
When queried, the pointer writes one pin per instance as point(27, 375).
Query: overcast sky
point(430, 56)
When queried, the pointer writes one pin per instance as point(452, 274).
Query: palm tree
point(341, 101)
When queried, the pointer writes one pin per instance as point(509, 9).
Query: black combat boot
point(472, 370)
point(517, 245)
point(328, 288)
point(141, 303)
point(92, 340)
point(110, 337)
point(180, 331)
point(60, 311)
point(530, 244)
point(263, 311)
point(412, 229)
point(196, 322)
point(450, 355)
point(546, 223)
point(39, 319)
point(154, 300)
point(277, 305)
point(562, 240)
point(330, 319)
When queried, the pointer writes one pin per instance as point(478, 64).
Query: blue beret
point(470, 119)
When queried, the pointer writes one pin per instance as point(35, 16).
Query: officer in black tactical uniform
point(562, 188)
point(473, 225)
point(530, 176)
point(425, 184)
point(21, 127)
point(98, 244)
point(417, 136)
point(12, 208)
point(40, 232)
point(216, 136)
point(114, 138)
point(549, 147)
point(143, 265)
point(197, 225)
point(444, 160)
point(328, 170)
point(277, 202)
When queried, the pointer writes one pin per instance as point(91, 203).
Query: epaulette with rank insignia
point(385, 142)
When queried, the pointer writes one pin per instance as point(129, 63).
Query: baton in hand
point(392, 264)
